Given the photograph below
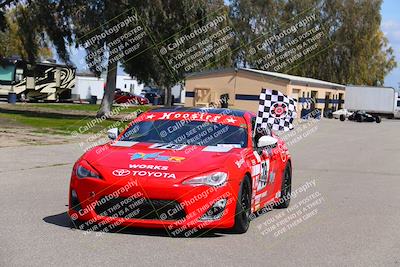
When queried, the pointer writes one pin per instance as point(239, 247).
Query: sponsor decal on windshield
point(156, 156)
point(168, 146)
point(217, 149)
point(197, 116)
point(124, 143)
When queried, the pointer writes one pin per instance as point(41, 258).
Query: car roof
point(233, 112)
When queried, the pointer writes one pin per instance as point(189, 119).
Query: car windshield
point(186, 132)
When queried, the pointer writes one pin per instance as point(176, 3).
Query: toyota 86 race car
point(182, 170)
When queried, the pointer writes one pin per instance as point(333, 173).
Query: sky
point(390, 26)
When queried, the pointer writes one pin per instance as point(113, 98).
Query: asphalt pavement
point(346, 211)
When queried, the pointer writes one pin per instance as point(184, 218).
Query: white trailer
point(88, 85)
point(375, 100)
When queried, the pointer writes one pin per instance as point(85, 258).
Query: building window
point(19, 75)
point(295, 94)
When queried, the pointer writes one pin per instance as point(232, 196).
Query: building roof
point(295, 79)
point(290, 78)
point(86, 74)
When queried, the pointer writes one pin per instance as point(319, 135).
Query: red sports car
point(124, 97)
point(182, 170)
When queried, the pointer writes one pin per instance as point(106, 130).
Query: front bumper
point(152, 204)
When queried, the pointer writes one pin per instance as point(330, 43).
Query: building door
point(340, 101)
point(313, 99)
point(327, 97)
point(295, 96)
point(202, 97)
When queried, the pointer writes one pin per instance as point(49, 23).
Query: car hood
point(173, 162)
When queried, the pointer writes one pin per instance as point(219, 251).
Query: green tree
point(3, 6)
point(352, 51)
point(89, 19)
point(254, 20)
point(166, 22)
point(361, 54)
point(17, 40)
point(79, 21)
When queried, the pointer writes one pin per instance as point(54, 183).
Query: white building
point(178, 91)
point(88, 85)
point(128, 84)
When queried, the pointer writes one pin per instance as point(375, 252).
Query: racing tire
point(359, 119)
point(243, 208)
point(378, 119)
point(77, 224)
point(286, 189)
point(342, 117)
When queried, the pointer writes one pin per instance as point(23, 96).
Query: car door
point(265, 182)
point(278, 164)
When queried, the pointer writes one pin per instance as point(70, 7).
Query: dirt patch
point(14, 134)
point(23, 136)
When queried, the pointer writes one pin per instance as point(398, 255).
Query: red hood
point(178, 161)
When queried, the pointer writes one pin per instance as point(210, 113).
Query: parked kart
point(125, 97)
point(181, 169)
point(362, 116)
point(341, 114)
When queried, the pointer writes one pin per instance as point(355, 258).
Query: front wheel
point(243, 208)
point(286, 189)
point(378, 119)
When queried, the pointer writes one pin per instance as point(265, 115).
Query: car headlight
point(84, 170)
point(212, 179)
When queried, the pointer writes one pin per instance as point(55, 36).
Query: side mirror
point(267, 140)
point(113, 133)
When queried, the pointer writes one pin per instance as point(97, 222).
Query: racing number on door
point(263, 181)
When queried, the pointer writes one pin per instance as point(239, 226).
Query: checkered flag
point(276, 111)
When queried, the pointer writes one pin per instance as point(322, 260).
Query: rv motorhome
point(39, 81)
